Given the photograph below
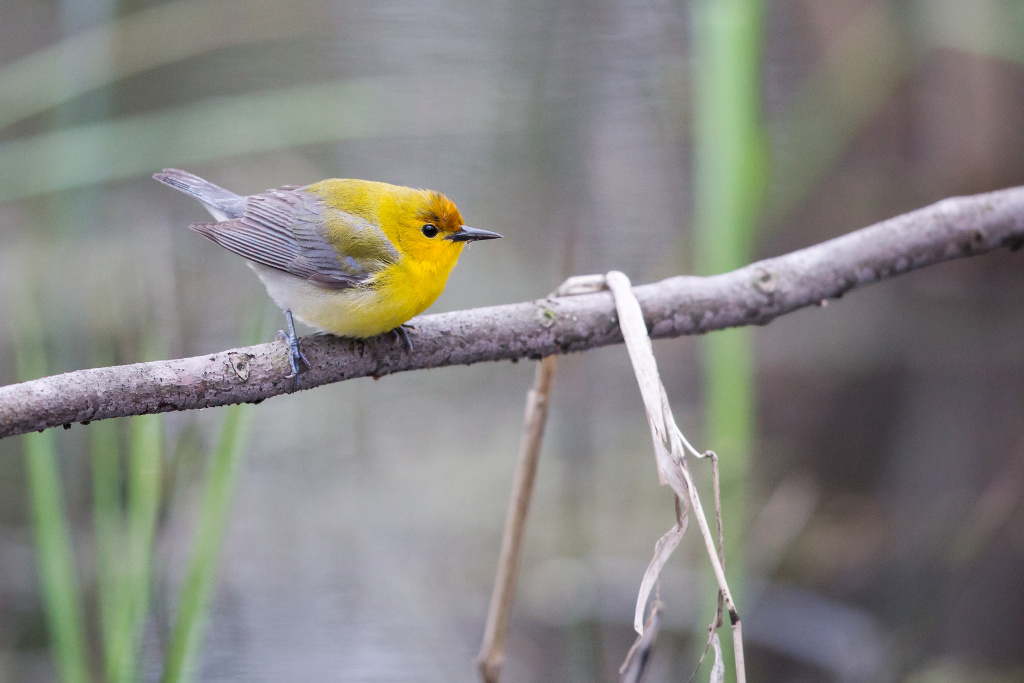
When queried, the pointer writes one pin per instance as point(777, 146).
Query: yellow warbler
point(353, 257)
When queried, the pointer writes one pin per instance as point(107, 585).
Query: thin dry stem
point(717, 621)
point(492, 651)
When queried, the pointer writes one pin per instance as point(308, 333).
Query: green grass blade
point(132, 601)
point(218, 496)
point(56, 559)
point(730, 141)
point(108, 473)
point(108, 525)
point(58, 583)
point(730, 175)
point(202, 572)
point(108, 529)
point(730, 183)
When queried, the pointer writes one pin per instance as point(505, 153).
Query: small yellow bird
point(352, 257)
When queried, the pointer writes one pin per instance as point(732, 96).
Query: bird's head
point(432, 230)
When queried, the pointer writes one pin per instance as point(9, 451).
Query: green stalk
point(106, 475)
point(131, 605)
point(730, 158)
point(218, 496)
point(58, 583)
point(56, 559)
point(109, 529)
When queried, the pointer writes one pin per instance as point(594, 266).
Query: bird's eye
point(430, 230)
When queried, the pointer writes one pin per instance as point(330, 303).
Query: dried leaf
point(670, 448)
point(639, 656)
point(662, 550)
point(718, 668)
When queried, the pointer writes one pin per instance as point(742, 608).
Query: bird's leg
point(402, 334)
point(295, 357)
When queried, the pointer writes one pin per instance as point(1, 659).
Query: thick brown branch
point(755, 294)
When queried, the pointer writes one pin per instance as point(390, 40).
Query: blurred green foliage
point(58, 580)
point(731, 162)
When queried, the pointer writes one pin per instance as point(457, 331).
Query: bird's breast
point(390, 298)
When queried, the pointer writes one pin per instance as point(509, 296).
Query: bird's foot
point(402, 334)
point(296, 358)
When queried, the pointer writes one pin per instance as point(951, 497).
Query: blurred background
point(872, 451)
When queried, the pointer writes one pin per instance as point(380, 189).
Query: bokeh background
point(873, 450)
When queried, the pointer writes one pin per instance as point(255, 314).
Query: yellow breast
point(395, 295)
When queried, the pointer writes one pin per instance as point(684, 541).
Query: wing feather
point(283, 229)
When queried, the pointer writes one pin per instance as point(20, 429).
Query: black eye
point(430, 230)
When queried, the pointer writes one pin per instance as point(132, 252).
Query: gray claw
point(402, 334)
point(296, 358)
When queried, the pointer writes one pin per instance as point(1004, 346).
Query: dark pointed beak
point(468, 234)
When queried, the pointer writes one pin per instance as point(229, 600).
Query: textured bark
point(755, 294)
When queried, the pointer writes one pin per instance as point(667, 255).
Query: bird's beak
point(468, 234)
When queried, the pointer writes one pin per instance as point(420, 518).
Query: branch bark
point(755, 294)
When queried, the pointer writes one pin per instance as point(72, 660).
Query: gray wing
point(282, 229)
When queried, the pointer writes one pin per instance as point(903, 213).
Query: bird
point(355, 258)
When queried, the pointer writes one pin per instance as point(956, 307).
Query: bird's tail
point(223, 204)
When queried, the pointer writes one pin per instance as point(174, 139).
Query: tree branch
point(755, 294)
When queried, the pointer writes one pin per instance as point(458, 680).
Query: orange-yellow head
point(424, 226)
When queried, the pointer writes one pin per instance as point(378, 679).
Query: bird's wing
point(283, 229)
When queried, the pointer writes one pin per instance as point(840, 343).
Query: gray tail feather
point(212, 195)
